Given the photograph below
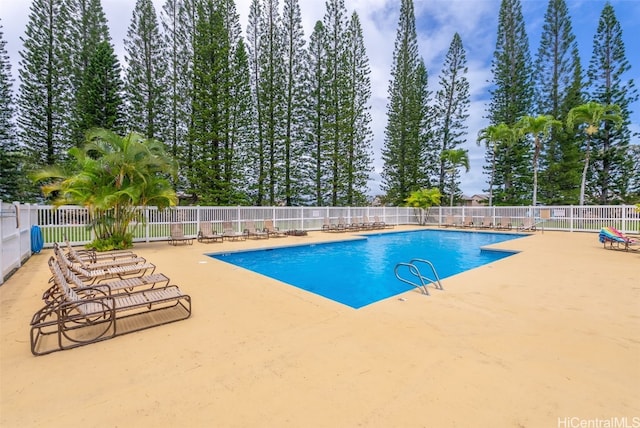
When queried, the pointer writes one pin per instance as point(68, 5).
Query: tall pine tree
point(99, 98)
point(336, 72)
point(295, 91)
point(451, 112)
point(405, 150)
point(10, 156)
point(86, 29)
point(44, 99)
point(271, 100)
point(316, 145)
point(146, 73)
point(357, 157)
point(611, 166)
point(179, 23)
point(558, 87)
point(511, 98)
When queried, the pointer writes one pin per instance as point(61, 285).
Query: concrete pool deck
point(549, 337)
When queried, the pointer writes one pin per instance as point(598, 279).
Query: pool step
point(415, 272)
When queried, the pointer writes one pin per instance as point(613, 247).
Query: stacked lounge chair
point(78, 312)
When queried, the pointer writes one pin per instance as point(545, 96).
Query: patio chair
point(230, 234)
point(528, 224)
point(82, 316)
point(207, 234)
point(100, 264)
point(616, 240)
point(272, 230)
point(368, 225)
point(251, 231)
point(98, 272)
point(327, 226)
point(156, 280)
point(177, 235)
point(468, 222)
point(485, 223)
point(503, 223)
point(93, 256)
point(90, 259)
point(448, 222)
point(381, 224)
point(342, 224)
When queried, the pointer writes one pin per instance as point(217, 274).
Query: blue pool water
point(358, 273)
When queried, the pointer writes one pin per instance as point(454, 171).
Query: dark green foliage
point(99, 98)
point(86, 30)
point(558, 87)
point(317, 147)
point(405, 153)
point(511, 98)
point(609, 83)
point(213, 154)
point(452, 103)
point(179, 22)
point(357, 157)
point(271, 97)
point(295, 170)
point(145, 80)
point(44, 99)
point(11, 182)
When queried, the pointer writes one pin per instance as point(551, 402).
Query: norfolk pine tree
point(334, 131)
point(608, 84)
point(271, 100)
point(404, 152)
point(10, 156)
point(452, 103)
point(511, 98)
point(86, 30)
point(316, 116)
point(255, 181)
point(296, 170)
point(358, 151)
point(179, 23)
point(99, 98)
point(558, 88)
point(145, 73)
point(44, 98)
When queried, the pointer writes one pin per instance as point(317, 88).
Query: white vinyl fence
point(71, 222)
point(15, 236)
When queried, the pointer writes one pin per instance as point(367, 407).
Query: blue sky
point(436, 22)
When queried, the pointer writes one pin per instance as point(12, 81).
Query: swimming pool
point(358, 273)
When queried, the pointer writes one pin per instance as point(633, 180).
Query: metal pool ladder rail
point(415, 271)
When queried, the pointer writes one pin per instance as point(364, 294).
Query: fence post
point(571, 218)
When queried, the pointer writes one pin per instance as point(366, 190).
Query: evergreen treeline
point(277, 118)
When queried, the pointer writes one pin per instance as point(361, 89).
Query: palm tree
point(540, 128)
point(494, 136)
point(424, 199)
point(591, 116)
point(112, 177)
point(454, 158)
